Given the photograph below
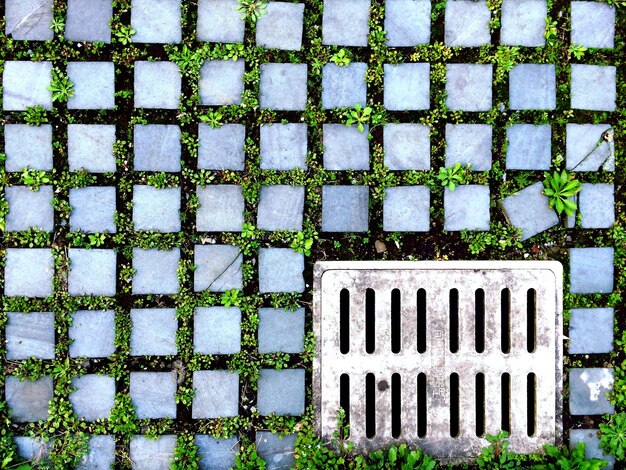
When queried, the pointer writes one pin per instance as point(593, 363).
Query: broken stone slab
point(29, 20)
point(156, 271)
point(281, 26)
point(528, 210)
point(591, 331)
point(281, 330)
point(29, 209)
point(92, 272)
point(28, 272)
point(280, 270)
point(153, 332)
point(217, 330)
point(407, 146)
point(216, 394)
point(153, 394)
point(345, 208)
point(588, 389)
point(406, 209)
point(156, 147)
point(218, 268)
point(28, 400)
point(345, 22)
point(93, 209)
point(92, 333)
point(30, 335)
point(90, 147)
point(281, 392)
point(587, 148)
point(346, 148)
point(156, 209)
point(94, 396)
point(28, 147)
point(591, 270)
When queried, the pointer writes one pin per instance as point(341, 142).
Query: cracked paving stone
point(218, 268)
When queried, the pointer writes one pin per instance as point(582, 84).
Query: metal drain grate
point(439, 354)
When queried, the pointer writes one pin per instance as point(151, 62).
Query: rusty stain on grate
point(440, 354)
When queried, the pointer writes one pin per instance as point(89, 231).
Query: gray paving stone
point(94, 85)
point(101, 454)
point(345, 208)
point(153, 394)
point(219, 21)
point(218, 268)
point(88, 20)
point(283, 87)
point(591, 270)
point(344, 86)
point(407, 87)
point(585, 148)
point(94, 396)
point(216, 394)
point(216, 454)
point(469, 144)
point(156, 21)
point(153, 332)
point(407, 209)
point(280, 207)
point(281, 330)
point(593, 24)
point(29, 209)
point(594, 87)
point(221, 208)
point(92, 272)
point(407, 146)
point(28, 147)
point(93, 333)
point(280, 270)
point(157, 85)
point(30, 335)
point(281, 26)
point(283, 146)
point(346, 148)
point(28, 400)
point(277, 451)
point(152, 454)
point(591, 331)
point(596, 203)
point(467, 208)
point(529, 147)
point(528, 210)
point(93, 209)
point(407, 22)
point(156, 271)
point(25, 84)
point(588, 389)
point(532, 86)
point(217, 330)
point(222, 148)
point(29, 19)
point(523, 22)
point(281, 392)
point(221, 82)
point(90, 147)
point(467, 23)
point(156, 209)
point(28, 272)
point(345, 22)
point(592, 445)
point(469, 87)
point(156, 147)
point(35, 449)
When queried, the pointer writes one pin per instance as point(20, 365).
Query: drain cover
point(440, 354)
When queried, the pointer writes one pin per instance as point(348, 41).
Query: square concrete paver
point(90, 147)
point(217, 330)
point(281, 330)
point(587, 149)
point(283, 146)
point(216, 394)
point(345, 22)
point(594, 87)
point(219, 21)
point(467, 23)
point(345, 208)
point(591, 331)
point(277, 450)
point(28, 272)
point(153, 332)
point(216, 454)
point(28, 147)
point(407, 87)
point(25, 84)
point(532, 86)
point(523, 22)
point(280, 270)
point(281, 207)
point(528, 210)
point(596, 203)
point(156, 147)
point(283, 87)
point(35, 449)
point(218, 268)
point(156, 209)
point(94, 85)
point(156, 271)
point(152, 394)
point(92, 272)
point(221, 208)
point(588, 389)
point(346, 148)
point(221, 82)
point(529, 147)
point(94, 396)
point(593, 24)
point(407, 22)
point(591, 270)
point(281, 392)
point(468, 87)
point(344, 86)
point(281, 26)
point(152, 454)
point(467, 208)
point(29, 209)
point(469, 144)
point(92, 333)
point(100, 454)
point(407, 146)
point(407, 209)
point(157, 85)
point(29, 335)
point(93, 209)
point(156, 21)
point(88, 20)
point(221, 148)
point(592, 445)
point(29, 19)
point(28, 400)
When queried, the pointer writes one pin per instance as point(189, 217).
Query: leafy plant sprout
point(340, 58)
point(453, 176)
point(251, 10)
point(560, 187)
point(61, 87)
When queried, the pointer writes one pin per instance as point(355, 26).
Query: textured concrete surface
point(345, 22)
point(28, 400)
point(217, 330)
point(467, 208)
point(345, 208)
point(29, 335)
point(283, 146)
point(528, 210)
point(281, 330)
point(407, 22)
point(92, 333)
point(588, 389)
point(283, 87)
point(219, 21)
point(153, 332)
point(218, 268)
point(407, 146)
point(469, 144)
point(346, 148)
point(216, 394)
point(28, 147)
point(344, 86)
point(591, 331)
point(407, 209)
point(156, 147)
point(152, 394)
point(281, 26)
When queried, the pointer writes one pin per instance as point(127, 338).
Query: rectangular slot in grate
point(440, 354)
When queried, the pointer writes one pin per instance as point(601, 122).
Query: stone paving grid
point(166, 98)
